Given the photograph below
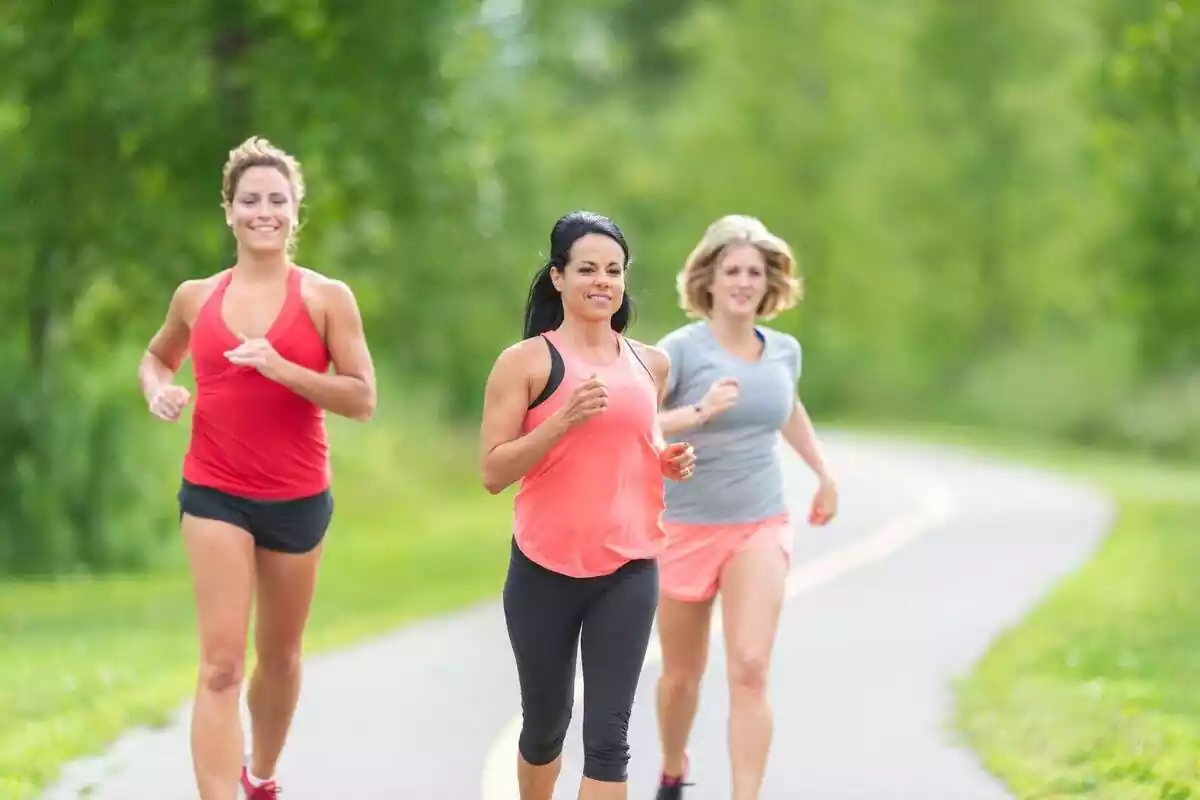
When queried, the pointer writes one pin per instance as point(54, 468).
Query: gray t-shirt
point(738, 476)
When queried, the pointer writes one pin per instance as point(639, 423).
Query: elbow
point(493, 485)
point(364, 410)
point(491, 481)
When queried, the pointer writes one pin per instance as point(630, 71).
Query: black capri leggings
point(548, 615)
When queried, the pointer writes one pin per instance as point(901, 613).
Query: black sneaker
point(670, 788)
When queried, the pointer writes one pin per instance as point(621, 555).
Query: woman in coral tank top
point(571, 412)
point(255, 500)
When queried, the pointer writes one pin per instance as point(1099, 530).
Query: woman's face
point(592, 284)
point(263, 212)
point(739, 281)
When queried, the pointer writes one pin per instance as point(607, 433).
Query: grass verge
point(1093, 694)
point(82, 660)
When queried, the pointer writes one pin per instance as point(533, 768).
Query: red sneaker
point(264, 791)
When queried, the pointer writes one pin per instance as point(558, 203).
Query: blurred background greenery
point(994, 205)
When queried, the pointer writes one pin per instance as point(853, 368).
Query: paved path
point(934, 553)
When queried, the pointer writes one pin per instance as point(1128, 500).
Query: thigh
point(683, 633)
point(616, 632)
point(292, 526)
point(752, 588)
point(203, 502)
point(543, 612)
point(286, 583)
point(221, 559)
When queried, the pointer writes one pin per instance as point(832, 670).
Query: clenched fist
point(586, 401)
point(169, 401)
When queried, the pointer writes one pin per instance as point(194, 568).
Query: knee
point(748, 672)
point(278, 661)
point(222, 672)
point(606, 749)
point(681, 681)
point(543, 732)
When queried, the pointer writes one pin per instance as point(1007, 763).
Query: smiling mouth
point(599, 297)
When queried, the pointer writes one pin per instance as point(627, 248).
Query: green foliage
point(1093, 694)
point(993, 205)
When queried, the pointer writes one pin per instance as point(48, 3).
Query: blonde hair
point(784, 287)
point(258, 152)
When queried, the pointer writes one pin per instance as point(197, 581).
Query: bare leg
point(752, 585)
point(603, 790)
point(221, 557)
point(537, 782)
point(286, 583)
point(683, 632)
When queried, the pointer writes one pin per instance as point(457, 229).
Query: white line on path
point(933, 507)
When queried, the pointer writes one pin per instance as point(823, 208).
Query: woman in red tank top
point(256, 499)
point(571, 412)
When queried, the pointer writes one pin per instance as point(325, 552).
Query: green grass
point(1097, 692)
point(82, 660)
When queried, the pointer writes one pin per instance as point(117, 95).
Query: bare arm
point(682, 419)
point(659, 364)
point(168, 347)
point(799, 433)
point(505, 454)
point(676, 460)
point(350, 391)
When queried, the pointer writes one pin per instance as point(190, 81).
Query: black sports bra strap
point(557, 370)
point(633, 350)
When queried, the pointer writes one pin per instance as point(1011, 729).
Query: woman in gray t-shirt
point(731, 392)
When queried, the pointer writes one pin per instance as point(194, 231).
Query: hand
point(720, 397)
point(677, 461)
point(824, 505)
point(589, 399)
point(259, 354)
point(168, 402)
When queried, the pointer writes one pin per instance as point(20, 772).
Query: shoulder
point(784, 341)
point(682, 336)
point(525, 356)
point(191, 294)
point(787, 349)
point(655, 357)
point(331, 290)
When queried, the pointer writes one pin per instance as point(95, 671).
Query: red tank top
point(253, 437)
point(594, 502)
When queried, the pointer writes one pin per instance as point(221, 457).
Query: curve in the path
point(890, 603)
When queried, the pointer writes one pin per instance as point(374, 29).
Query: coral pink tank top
point(595, 501)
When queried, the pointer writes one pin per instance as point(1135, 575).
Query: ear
point(556, 278)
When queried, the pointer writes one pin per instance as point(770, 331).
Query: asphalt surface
point(934, 553)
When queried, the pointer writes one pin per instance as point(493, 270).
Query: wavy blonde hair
point(784, 286)
point(259, 152)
